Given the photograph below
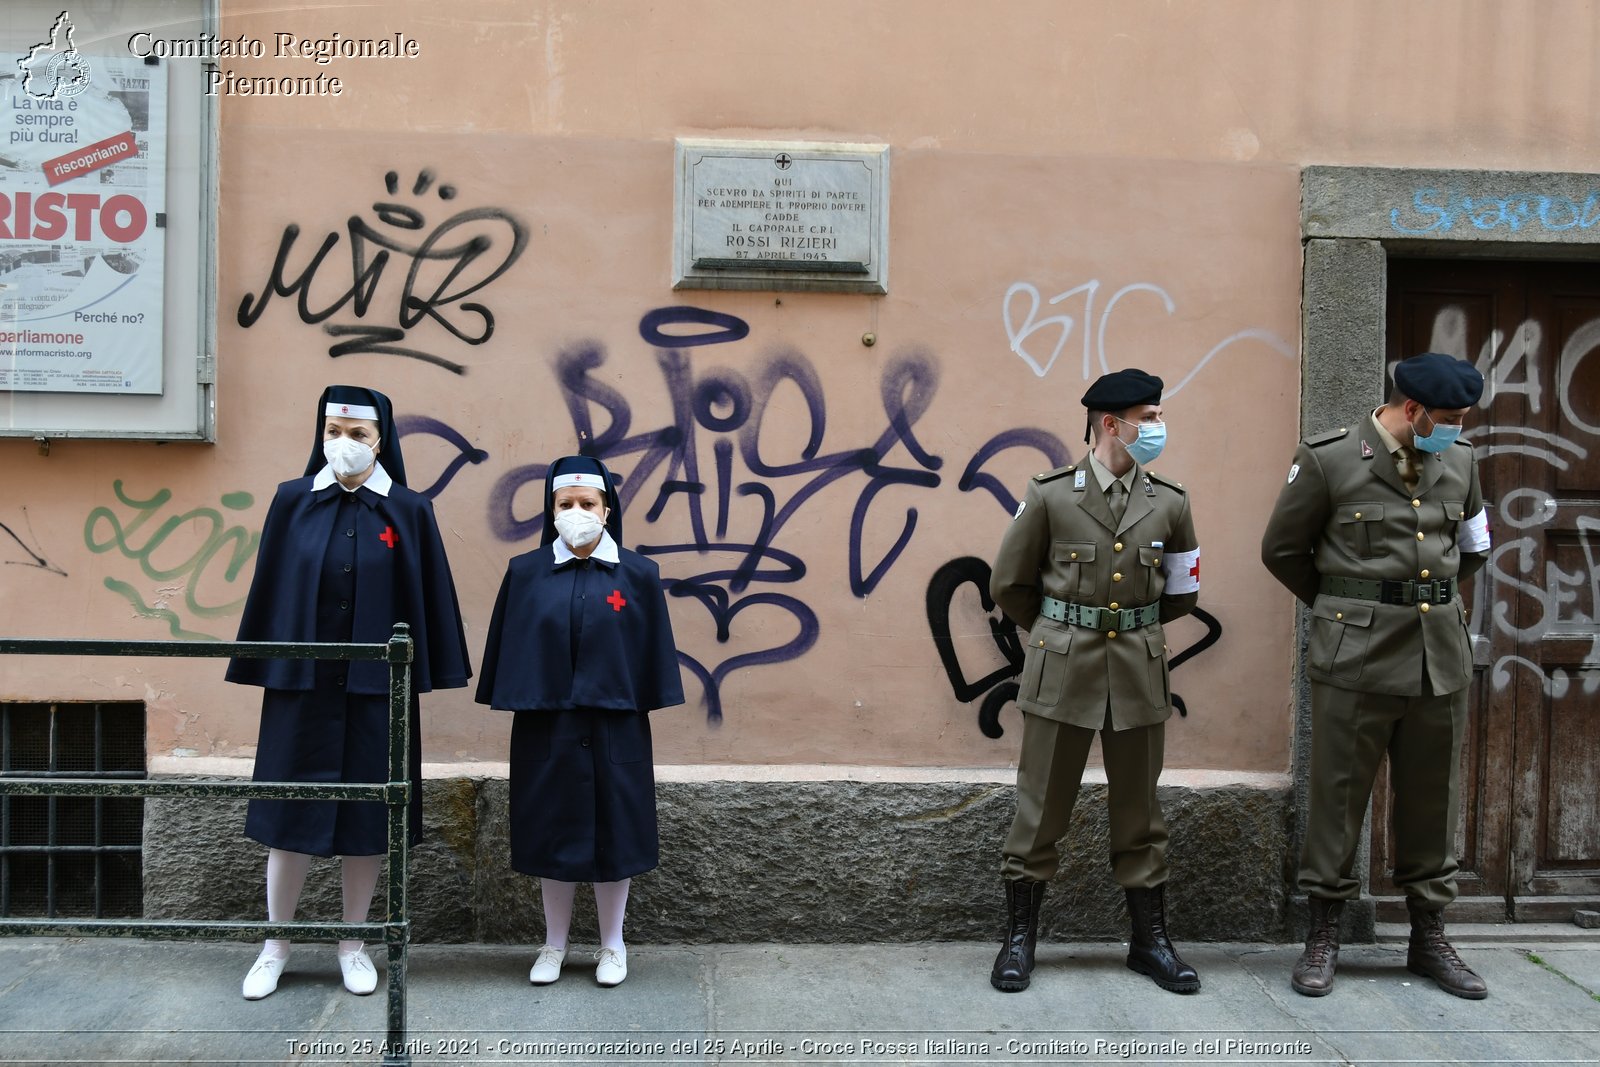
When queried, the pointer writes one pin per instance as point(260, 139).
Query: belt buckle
point(1391, 591)
point(1127, 619)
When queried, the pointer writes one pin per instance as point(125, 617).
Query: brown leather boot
point(1014, 964)
point(1150, 951)
point(1313, 971)
point(1431, 956)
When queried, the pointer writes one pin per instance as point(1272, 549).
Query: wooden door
point(1529, 837)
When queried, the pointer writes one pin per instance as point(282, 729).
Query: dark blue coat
point(402, 576)
point(582, 652)
point(343, 567)
point(624, 654)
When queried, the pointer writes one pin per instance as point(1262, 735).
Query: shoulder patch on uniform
point(1325, 438)
point(1058, 472)
point(1168, 482)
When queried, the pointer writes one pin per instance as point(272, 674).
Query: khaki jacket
point(1063, 543)
point(1345, 512)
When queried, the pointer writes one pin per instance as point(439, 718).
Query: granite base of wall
point(836, 861)
point(199, 865)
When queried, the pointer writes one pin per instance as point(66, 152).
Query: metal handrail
point(395, 930)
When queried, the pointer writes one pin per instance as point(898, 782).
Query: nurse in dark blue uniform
point(346, 552)
point(580, 648)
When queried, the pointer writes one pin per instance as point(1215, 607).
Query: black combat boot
point(1015, 962)
point(1431, 956)
point(1313, 971)
point(1150, 951)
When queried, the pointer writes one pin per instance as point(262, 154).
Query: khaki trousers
point(1350, 733)
point(1049, 774)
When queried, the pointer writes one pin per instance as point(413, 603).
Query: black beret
point(1439, 381)
point(1123, 389)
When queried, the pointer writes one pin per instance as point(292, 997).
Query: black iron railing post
point(397, 930)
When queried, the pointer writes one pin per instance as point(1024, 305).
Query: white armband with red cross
point(1182, 570)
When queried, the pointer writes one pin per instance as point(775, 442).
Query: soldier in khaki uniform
point(1098, 556)
point(1374, 530)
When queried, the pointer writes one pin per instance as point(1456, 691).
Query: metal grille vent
point(71, 856)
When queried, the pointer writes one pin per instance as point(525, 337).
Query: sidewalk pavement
point(147, 1002)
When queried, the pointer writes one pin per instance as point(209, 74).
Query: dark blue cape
point(406, 581)
point(626, 659)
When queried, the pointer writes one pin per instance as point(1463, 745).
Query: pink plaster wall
point(1147, 153)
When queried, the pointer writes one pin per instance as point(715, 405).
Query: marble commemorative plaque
point(781, 215)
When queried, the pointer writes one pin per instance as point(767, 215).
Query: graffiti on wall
point(19, 553)
point(181, 551)
point(1559, 577)
point(457, 259)
point(1561, 594)
point(466, 452)
point(1023, 301)
point(749, 513)
point(1435, 210)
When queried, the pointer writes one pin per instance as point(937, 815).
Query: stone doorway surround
point(1352, 220)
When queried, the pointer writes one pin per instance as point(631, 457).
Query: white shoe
point(613, 966)
point(547, 968)
point(263, 976)
point(360, 977)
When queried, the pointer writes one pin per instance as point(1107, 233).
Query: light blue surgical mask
point(1440, 439)
point(1152, 439)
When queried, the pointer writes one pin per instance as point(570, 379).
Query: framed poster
point(83, 169)
point(107, 225)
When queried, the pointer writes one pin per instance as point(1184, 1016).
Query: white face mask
point(578, 527)
point(347, 457)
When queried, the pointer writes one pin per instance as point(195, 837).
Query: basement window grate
point(72, 856)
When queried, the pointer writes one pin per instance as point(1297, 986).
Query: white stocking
point(286, 876)
point(360, 879)
point(611, 901)
point(557, 899)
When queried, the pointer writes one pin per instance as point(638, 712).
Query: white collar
point(605, 551)
point(378, 481)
